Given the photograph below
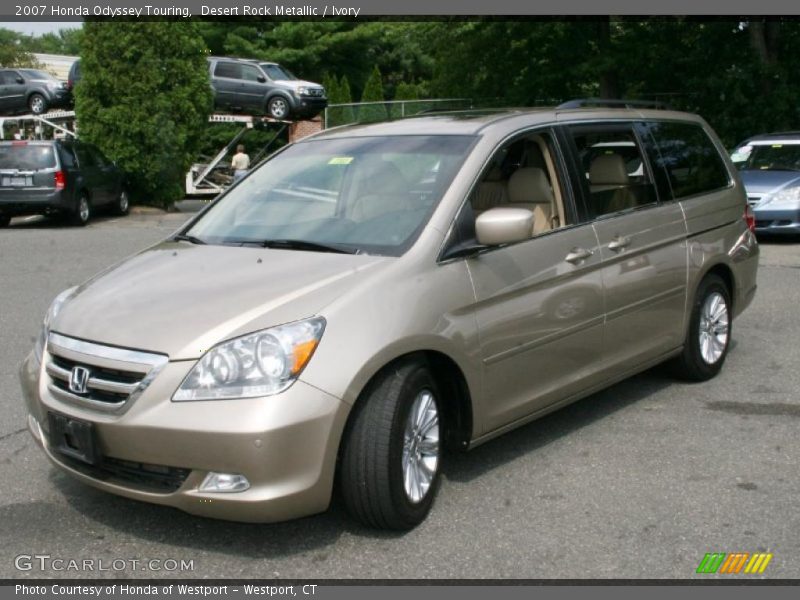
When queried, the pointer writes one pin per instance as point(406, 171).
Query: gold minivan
point(377, 296)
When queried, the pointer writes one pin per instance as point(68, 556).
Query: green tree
point(406, 91)
point(346, 114)
point(66, 41)
point(13, 50)
point(144, 100)
point(373, 92)
point(331, 84)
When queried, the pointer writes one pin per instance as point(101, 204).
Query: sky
point(39, 27)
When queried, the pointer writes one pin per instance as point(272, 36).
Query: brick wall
point(301, 129)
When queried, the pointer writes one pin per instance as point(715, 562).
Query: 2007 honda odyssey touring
point(374, 297)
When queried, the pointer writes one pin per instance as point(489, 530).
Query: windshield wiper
point(182, 237)
point(288, 244)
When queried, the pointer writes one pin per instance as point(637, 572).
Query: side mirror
point(262, 79)
point(504, 225)
point(20, 79)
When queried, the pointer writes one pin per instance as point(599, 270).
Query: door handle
point(576, 255)
point(620, 242)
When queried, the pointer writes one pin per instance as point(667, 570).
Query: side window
point(228, 69)
point(690, 159)
point(84, 156)
point(523, 174)
point(613, 164)
point(9, 77)
point(97, 157)
point(250, 73)
point(67, 157)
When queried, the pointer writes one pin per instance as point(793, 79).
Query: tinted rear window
point(690, 159)
point(27, 157)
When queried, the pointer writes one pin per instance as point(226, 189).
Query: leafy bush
point(144, 99)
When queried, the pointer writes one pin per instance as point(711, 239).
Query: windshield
point(277, 72)
point(779, 156)
point(25, 157)
point(34, 74)
point(363, 195)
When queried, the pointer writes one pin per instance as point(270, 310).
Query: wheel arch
point(724, 272)
point(453, 387)
point(283, 94)
point(36, 92)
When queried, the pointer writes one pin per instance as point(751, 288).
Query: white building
point(55, 64)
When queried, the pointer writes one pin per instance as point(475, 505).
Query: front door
point(539, 303)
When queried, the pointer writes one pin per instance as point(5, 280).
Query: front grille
point(103, 377)
point(151, 478)
point(316, 92)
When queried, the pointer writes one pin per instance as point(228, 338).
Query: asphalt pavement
point(638, 481)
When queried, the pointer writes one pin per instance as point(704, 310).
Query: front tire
point(278, 108)
point(37, 104)
point(708, 339)
point(391, 456)
point(83, 211)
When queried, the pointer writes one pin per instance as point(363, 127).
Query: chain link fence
point(369, 112)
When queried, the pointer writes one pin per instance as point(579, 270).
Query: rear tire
point(37, 104)
point(122, 205)
point(83, 211)
point(708, 338)
point(391, 455)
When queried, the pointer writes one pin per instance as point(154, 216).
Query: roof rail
point(613, 103)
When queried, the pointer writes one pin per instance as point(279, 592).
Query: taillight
point(749, 218)
point(61, 180)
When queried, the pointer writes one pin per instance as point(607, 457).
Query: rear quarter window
point(27, 157)
point(689, 157)
point(227, 69)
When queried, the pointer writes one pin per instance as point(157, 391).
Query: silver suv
point(263, 88)
point(23, 90)
point(375, 297)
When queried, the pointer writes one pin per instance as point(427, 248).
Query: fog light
point(224, 482)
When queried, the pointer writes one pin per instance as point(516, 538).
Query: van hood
point(758, 182)
point(180, 299)
point(296, 83)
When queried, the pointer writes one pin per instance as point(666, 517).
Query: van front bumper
point(285, 445)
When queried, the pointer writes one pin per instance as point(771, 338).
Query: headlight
point(258, 364)
point(785, 196)
point(55, 307)
point(302, 90)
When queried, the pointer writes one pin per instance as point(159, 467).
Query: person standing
point(240, 163)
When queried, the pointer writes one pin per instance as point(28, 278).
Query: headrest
point(608, 169)
point(494, 174)
point(529, 185)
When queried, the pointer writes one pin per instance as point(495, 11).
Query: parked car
point(74, 76)
point(769, 166)
point(373, 297)
point(263, 88)
point(31, 90)
point(61, 177)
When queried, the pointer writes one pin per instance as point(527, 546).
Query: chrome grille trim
point(71, 398)
point(135, 357)
point(135, 369)
point(94, 383)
